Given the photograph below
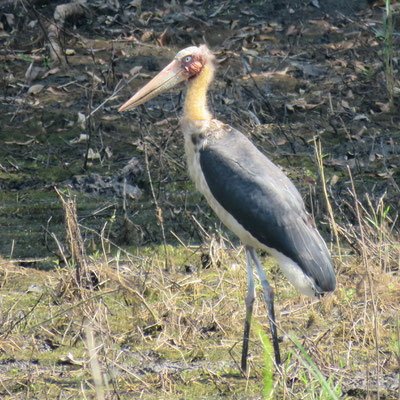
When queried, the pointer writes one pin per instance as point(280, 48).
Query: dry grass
point(146, 332)
point(167, 322)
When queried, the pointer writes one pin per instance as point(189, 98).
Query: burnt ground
point(288, 72)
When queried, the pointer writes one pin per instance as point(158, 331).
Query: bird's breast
point(197, 134)
point(197, 138)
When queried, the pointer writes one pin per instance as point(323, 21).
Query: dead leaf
point(360, 117)
point(234, 24)
point(385, 175)
point(54, 90)
point(385, 107)
point(81, 120)
point(136, 3)
point(52, 71)
point(83, 138)
point(147, 35)
point(315, 3)
point(359, 66)
point(345, 104)
point(267, 37)
point(93, 155)
point(165, 121)
point(267, 29)
point(345, 45)
point(10, 19)
point(334, 180)
point(34, 89)
point(292, 30)
point(250, 52)
point(342, 63)
point(302, 104)
point(135, 70)
point(247, 12)
point(276, 26)
point(281, 141)
point(110, 117)
point(323, 24)
point(108, 152)
point(3, 34)
point(70, 359)
point(274, 52)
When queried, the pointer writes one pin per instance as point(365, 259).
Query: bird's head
point(186, 66)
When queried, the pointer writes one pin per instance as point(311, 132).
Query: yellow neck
point(196, 97)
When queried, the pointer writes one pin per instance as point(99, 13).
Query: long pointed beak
point(169, 77)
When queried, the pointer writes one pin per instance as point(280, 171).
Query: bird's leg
point(249, 308)
point(269, 298)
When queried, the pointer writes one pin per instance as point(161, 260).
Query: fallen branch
point(61, 13)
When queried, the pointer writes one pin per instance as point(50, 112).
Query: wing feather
point(265, 202)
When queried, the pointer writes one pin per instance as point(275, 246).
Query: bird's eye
point(188, 59)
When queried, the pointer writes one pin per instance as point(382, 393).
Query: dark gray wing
point(265, 202)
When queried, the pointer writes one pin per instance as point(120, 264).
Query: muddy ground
point(289, 72)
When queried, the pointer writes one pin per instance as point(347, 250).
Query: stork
point(248, 192)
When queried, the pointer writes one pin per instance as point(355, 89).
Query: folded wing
point(264, 201)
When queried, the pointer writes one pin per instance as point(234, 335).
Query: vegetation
point(389, 50)
point(141, 294)
point(137, 329)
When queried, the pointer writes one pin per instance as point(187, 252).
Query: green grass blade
point(310, 365)
point(268, 363)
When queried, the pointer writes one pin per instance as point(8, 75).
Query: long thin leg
point(249, 309)
point(269, 298)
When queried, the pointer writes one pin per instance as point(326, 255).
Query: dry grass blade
point(318, 153)
point(158, 211)
point(94, 363)
point(74, 239)
point(370, 283)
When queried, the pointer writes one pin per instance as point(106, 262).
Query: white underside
point(291, 270)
